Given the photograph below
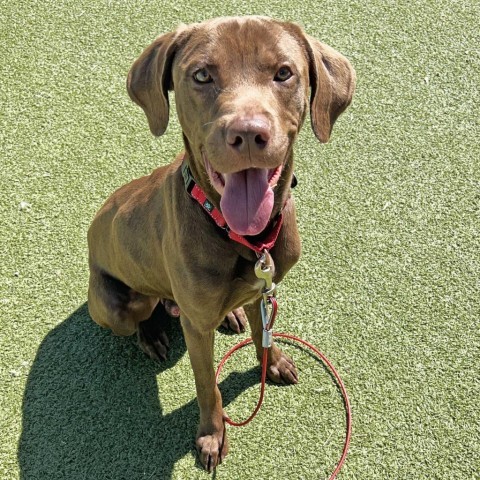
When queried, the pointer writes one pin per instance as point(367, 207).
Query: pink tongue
point(247, 201)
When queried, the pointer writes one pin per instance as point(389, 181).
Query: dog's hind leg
point(112, 304)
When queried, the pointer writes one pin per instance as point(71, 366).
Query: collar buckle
point(187, 177)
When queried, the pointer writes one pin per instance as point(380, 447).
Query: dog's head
point(242, 92)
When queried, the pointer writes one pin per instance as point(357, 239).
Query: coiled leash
point(268, 304)
point(268, 310)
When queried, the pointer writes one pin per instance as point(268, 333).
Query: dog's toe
point(155, 348)
point(212, 449)
point(171, 308)
point(282, 370)
point(152, 338)
point(236, 320)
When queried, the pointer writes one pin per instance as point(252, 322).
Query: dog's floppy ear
point(150, 78)
point(332, 81)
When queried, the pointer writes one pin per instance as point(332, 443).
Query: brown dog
point(242, 92)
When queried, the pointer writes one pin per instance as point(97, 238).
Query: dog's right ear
point(150, 78)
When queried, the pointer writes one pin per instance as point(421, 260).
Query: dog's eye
point(202, 76)
point(283, 74)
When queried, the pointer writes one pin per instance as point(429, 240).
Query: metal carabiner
point(268, 310)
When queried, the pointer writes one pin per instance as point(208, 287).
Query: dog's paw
point(212, 449)
point(281, 368)
point(236, 320)
point(153, 340)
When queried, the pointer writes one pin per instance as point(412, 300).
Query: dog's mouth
point(247, 196)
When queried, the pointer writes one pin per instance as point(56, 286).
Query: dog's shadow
point(92, 410)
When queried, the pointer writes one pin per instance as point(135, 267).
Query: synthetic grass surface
point(388, 284)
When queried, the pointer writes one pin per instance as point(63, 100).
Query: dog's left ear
point(332, 81)
point(150, 78)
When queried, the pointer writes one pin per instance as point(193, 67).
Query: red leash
point(262, 390)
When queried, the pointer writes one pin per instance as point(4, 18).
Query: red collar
point(268, 240)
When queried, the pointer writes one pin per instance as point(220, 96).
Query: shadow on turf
point(91, 407)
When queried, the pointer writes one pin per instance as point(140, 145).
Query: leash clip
point(264, 272)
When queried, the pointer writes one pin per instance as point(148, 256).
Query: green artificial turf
point(387, 287)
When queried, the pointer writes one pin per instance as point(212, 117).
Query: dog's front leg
point(280, 367)
point(211, 439)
